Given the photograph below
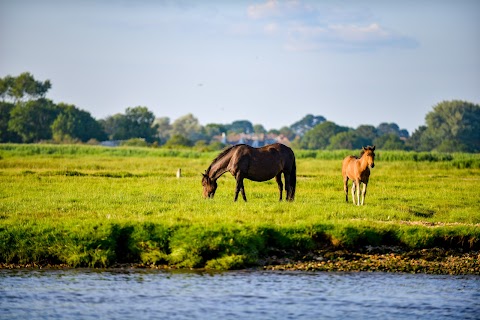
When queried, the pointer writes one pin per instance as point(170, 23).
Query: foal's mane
point(363, 151)
point(221, 155)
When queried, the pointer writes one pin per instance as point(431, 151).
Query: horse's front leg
point(364, 192)
point(357, 187)
point(278, 178)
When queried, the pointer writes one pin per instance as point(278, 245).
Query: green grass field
point(94, 206)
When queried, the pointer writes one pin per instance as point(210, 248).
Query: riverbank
point(368, 259)
point(383, 259)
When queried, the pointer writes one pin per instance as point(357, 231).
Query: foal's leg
point(278, 178)
point(353, 191)
point(345, 187)
point(357, 187)
point(364, 192)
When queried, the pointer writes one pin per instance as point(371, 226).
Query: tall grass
point(95, 206)
point(86, 150)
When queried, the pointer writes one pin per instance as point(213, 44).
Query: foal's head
point(209, 186)
point(369, 154)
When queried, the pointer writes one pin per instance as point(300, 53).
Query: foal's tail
point(293, 180)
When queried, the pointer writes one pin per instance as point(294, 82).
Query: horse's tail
point(293, 179)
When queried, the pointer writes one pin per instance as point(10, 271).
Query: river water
point(143, 294)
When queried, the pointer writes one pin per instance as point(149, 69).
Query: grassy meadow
point(94, 206)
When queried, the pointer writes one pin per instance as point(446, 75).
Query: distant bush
point(135, 142)
point(137, 149)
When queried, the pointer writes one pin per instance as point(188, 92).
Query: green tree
point(368, 132)
point(454, 126)
point(5, 85)
point(6, 135)
point(391, 128)
point(137, 122)
point(214, 129)
point(115, 127)
point(259, 129)
point(23, 86)
point(140, 123)
point(287, 132)
point(306, 124)
point(76, 124)
point(241, 126)
point(319, 136)
point(348, 140)
point(421, 140)
point(33, 119)
point(178, 141)
point(188, 127)
point(389, 141)
point(163, 129)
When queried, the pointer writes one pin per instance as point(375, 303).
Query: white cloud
point(372, 32)
point(341, 36)
point(257, 11)
point(306, 27)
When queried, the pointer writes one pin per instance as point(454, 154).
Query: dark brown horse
point(358, 170)
point(257, 164)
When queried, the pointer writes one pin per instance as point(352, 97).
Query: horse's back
point(264, 163)
point(348, 160)
point(279, 152)
point(346, 165)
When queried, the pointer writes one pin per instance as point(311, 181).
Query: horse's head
point(369, 154)
point(209, 186)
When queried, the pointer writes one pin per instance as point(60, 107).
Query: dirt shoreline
point(368, 259)
point(429, 261)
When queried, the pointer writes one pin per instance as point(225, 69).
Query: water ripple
point(90, 294)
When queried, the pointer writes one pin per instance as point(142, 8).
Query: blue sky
point(270, 62)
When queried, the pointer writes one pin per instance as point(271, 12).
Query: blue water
point(141, 294)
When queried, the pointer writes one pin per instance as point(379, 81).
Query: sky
point(269, 62)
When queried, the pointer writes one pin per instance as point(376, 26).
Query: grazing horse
point(358, 170)
point(256, 164)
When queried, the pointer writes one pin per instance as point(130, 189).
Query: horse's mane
point(221, 155)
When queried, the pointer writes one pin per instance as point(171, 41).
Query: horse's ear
point(373, 148)
point(364, 149)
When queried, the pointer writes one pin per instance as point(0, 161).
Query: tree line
point(27, 116)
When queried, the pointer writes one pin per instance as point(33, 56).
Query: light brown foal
point(358, 170)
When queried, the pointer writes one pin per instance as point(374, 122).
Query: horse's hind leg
point(243, 192)
point(237, 190)
point(288, 186)
point(239, 187)
point(278, 177)
point(345, 188)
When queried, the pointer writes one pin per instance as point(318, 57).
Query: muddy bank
point(370, 259)
point(385, 259)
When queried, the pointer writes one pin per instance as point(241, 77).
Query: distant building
point(111, 143)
